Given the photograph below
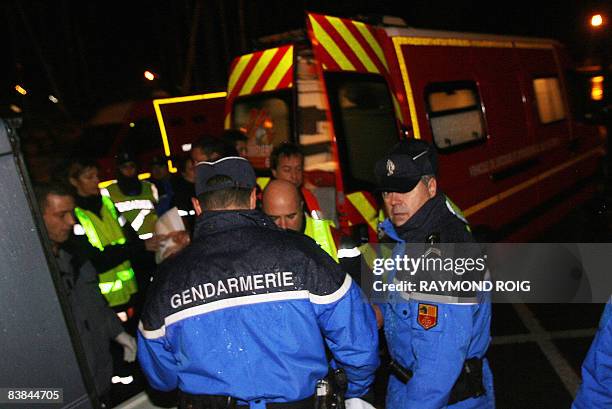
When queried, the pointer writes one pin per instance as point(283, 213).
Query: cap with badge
point(239, 173)
point(402, 169)
point(124, 157)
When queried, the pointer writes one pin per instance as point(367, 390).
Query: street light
point(149, 75)
point(20, 89)
point(596, 20)
point(597, 90)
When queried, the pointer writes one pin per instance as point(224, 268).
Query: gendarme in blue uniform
point(435, 353)
point(596, 389)
point(245, 311)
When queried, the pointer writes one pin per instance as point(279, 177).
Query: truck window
point(548, 99)
point(455, 114)
point(365, 124)
point(266, 120)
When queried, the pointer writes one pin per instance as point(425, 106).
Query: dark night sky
point(93, 53)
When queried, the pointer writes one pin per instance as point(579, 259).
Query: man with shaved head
point(283, 203)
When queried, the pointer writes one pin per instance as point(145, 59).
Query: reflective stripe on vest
point(320, 231)
point(134, 205)
point(118, 284)
point(138, 210)
point(454, 209)
point(365, 208)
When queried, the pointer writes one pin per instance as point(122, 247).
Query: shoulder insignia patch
point(428, 316)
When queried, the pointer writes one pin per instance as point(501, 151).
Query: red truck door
point(355, 76)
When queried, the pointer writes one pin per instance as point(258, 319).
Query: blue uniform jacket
point(246, 311)
point(435, 355)
point(596, 389)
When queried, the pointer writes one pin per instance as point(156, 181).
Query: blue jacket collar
point(211, 222)
point(389, 229)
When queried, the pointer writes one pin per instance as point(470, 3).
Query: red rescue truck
point(151, 127)
point(495, 107)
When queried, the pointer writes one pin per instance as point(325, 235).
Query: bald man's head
point(283, 204)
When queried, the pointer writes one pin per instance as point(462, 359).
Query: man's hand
point(129, 346)
point(154, 242)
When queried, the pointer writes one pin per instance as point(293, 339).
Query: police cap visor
point(238, 170)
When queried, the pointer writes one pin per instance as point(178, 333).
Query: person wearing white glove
point(356, 403)
point(129, 346)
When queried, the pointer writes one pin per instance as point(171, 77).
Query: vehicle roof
point(425, 33)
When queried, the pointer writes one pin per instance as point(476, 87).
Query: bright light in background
point(149, 75)
point(596, 20)
point(20, 89)
point(597, 88)
point(186, 147)
point(132, 124)
point(15, 109)
point(53, 99)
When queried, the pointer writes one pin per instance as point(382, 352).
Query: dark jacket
point(434, 217)
point(96, 323)
point(245, 311)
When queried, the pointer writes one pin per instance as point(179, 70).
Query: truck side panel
point(528, 156)
point(36, 346)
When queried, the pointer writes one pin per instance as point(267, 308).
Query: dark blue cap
point(239, 171)
point(402, 169)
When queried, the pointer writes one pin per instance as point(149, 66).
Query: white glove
point(129, 346)
point(356, 403)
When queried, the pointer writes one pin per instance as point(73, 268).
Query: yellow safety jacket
point(320, 231)
point(118, 283)
point(138, 210)
point(263, 181)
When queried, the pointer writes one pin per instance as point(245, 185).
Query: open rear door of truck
point(364, 110)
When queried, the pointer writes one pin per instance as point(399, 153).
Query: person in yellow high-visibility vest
point(283, 204)
point(95, 322)
point(134, 199)
point(100, 235)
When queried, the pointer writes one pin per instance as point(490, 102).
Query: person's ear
point(196, 206)
point(432, 187)
point(73, 182)
point(253, 199)
point(274, 173)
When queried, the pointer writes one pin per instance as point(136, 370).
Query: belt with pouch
point(468, 384)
